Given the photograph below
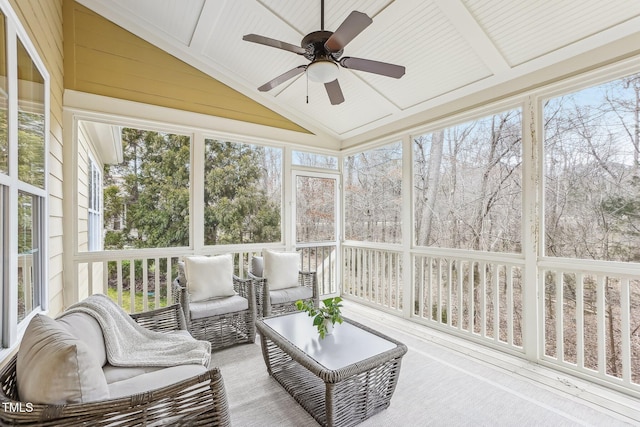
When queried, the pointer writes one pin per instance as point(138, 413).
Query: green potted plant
point(323, 317)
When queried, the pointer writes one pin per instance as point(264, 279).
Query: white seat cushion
point(290, 294)
point(218, 306)
point(281, 269)
point(209, 277)
point(113, 374)
point(154, 380)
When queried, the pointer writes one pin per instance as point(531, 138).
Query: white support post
point(531, 213)
point(407, 227)
point(70, 209)
point(196, 239)
point(288, 186)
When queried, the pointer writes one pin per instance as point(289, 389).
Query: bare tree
point(373, 189)
point(427, 182)
point(593, 201)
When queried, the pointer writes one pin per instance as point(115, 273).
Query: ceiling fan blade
point(355, 23)
point(282, 78)
point(335, 93)
point(376, 67)
point(274, 43)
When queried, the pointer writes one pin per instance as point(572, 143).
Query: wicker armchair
point(201, 399)
point(223, 328)
point(272, 302)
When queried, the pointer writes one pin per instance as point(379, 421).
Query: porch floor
point(444, 381)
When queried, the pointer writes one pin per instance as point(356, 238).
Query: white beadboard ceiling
point(450, 48)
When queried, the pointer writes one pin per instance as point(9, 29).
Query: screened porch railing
point(374, 277)
point(321, 258)
point(150, 272)
point(588, 319)
point(481, 299)
point(588, 316)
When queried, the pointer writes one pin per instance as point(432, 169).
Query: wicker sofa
point(182, 395)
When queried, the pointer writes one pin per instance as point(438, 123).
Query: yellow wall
point(43, 22)
point(104, 59)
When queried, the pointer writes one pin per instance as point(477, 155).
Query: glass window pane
point(592, 176)
point(94, 209)
point(28, 256)
point(302, 158)
point(243, 193)
point(373, 195)
point(30, 120)
point(315, 209)
point(467, 185)
point(4, 99)
point(91, 179)
point(146, 197)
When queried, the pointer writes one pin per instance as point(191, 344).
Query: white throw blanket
point(130, 344)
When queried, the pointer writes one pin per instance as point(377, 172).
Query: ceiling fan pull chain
point(307, 76)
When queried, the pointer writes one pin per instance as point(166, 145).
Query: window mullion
point(196, 222)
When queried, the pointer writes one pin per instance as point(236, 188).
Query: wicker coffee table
point(340, 380)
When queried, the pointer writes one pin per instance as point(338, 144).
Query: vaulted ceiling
point(451, 49)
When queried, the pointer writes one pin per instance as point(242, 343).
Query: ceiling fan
point(324, 49)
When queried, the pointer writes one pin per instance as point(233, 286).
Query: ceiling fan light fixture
point(322, 71)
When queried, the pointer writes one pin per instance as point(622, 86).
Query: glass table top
point(347, 344)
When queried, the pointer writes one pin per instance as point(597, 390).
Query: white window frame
point(10, 330)
point(94, 206)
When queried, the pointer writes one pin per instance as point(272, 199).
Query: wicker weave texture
point(201, 399)
point(164, 319)
point(266, 308)
point(343, 397)
point(225, 329)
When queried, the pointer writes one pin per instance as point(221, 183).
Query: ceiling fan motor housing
point(314, 42)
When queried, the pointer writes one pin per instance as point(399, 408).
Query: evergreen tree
point(237, 206)
point(146, 197)
point(152, 193)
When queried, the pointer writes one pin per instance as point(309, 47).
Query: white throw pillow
point(281, 269)
point(209, 277)
point(86, 328)
point(257, 266)
point(55, 368)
